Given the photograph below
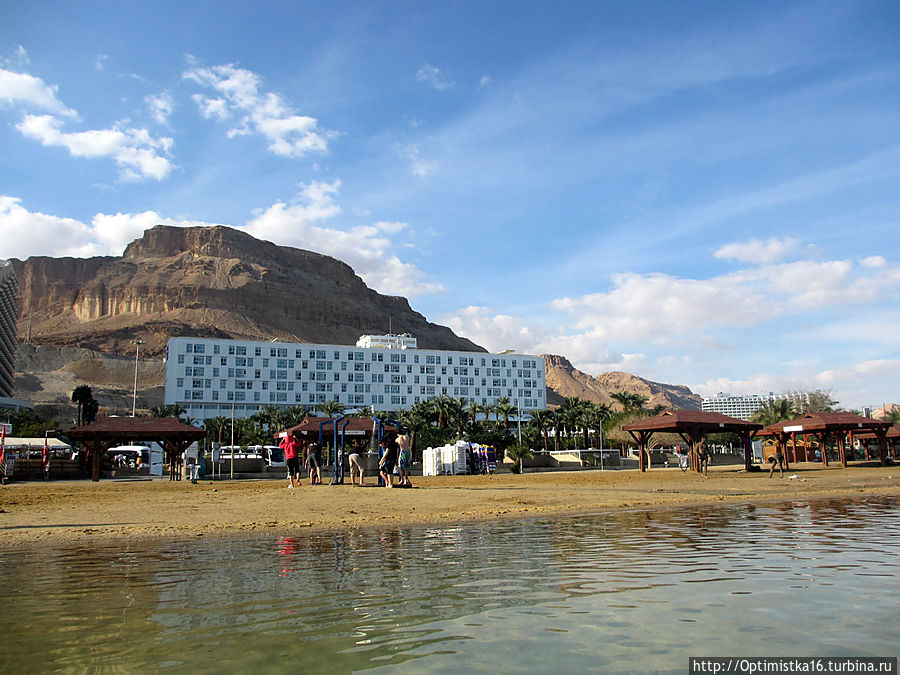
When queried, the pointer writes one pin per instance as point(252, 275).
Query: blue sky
point(700, 193)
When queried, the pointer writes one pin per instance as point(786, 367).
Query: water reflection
point(629, 591)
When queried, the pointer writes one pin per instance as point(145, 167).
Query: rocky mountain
point(207, 282)
point(564, 380)
point(79, 316)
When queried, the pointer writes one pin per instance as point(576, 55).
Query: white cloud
point(875, 261)
point(113, 232)
point(161, 106)
point(30, 233)
point(239, 95)
point(433, 76)
point(27, 233)
point(859, 383)
point(138, 154)
point(484, 81)
point(419, 166)
point(100, 62)
point(850, 375)
point(758, 251)
point(368, 249)
point(24, 89)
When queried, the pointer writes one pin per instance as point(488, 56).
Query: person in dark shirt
point(388, 461)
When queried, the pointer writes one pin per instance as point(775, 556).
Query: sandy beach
point(63, 512)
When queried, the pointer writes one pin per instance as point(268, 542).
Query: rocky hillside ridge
point(564, 380)
point(207, 282)
point(46, 375)
point(79, 316)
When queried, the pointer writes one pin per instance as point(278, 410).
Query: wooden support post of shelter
point(693, 426)
point(642, 438)
point(838, 425)
point(172, 434)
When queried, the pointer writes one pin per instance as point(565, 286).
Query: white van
point(244, 459)
point(272, 455)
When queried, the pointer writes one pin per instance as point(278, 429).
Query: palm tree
point(267, 416)
point(414, 421)
point(893, 416)
point(623, 398)
point(504, 408)
point(444, 407)
point(474, 409)
point(541, 420)
point(487, 409)
point(175, 410)
point(461, 415)
point(331, 408)
point(84, 399)
point(215, 426)
point(630, 401)
point(424, 410)
point(774, 411)
point(569, 413)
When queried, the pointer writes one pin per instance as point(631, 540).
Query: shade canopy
point(827, 425)
point(693, 426)
point(172, 434)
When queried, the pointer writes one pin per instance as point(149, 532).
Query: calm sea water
point(623, 592)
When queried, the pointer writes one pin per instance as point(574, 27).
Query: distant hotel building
point(387, 372)
point(741, 407)
point(9, 314)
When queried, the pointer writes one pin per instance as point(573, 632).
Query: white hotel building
point(388, 372)
point(741, 407)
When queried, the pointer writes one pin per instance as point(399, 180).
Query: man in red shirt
point(291, 447)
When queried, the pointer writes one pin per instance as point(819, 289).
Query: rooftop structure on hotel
point(211, 377)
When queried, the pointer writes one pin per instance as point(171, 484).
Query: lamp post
point(519, 406)
point(137, 350)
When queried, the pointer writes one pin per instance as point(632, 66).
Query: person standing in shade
point(387, 463)
point(291, 446)
point(404, 460)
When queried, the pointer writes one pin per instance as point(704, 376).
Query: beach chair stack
point(432, 462)
point(454, 458)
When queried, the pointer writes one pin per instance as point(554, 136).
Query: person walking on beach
point(312, 464)
point(703, 458)
point(387, 463)
point(776, 459)
point(404, 460)
point(291, 446)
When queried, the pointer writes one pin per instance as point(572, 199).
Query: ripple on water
point(545, 593)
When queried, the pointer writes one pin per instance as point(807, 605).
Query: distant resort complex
point(215, 377)
point(741, 407)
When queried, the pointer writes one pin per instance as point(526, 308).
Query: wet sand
point(64, 512)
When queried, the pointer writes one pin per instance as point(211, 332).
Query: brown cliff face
point(208, 282)
point(563, 380)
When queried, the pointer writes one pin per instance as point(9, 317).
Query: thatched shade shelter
point(173, 435)
point(892, 436)
point(829, 426)
point(693, 426)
